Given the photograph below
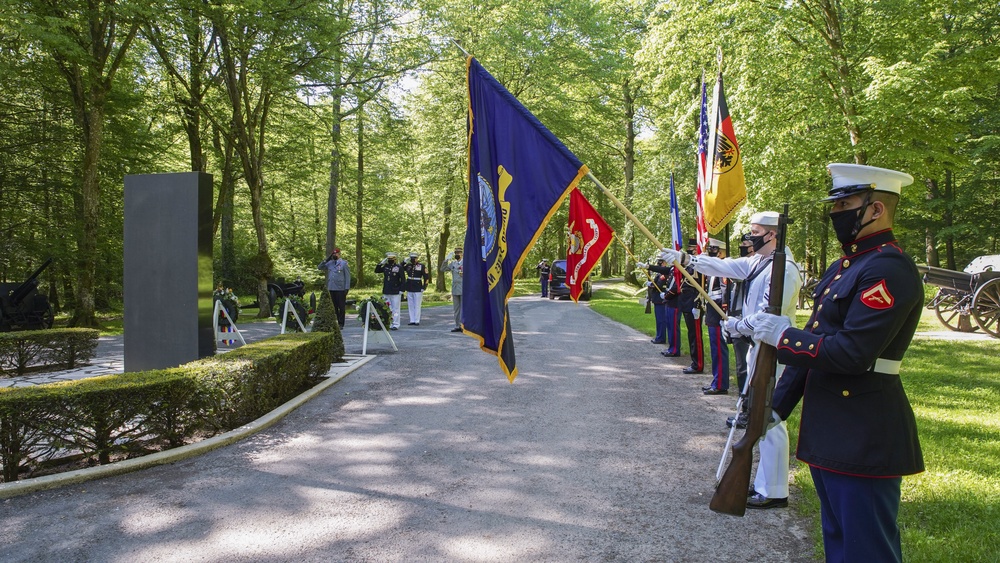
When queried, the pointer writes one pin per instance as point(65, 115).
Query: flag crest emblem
point(488, 212)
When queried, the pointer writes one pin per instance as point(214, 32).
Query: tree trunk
point(335, 134)
point(444, 237)
point(359, 261)
point(89, 233)
point(930, 231)
point(948, 216)
point(227, 191)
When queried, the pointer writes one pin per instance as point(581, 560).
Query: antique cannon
point(972, 294)
point(22, 307)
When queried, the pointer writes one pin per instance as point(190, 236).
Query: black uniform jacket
point(844, 364)
point(669, 284)
point(689, 293)
point(659, 286)
point(417, 277)
point(718, 286)
point(392, 277)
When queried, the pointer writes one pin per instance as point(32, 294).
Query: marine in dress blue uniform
point(691, 309)
point(858, 432)
point(671, 314)
point(656, 289)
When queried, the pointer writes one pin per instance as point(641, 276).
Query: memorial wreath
point(380, 307)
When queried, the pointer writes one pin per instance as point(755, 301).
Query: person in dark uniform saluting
point(393, 278)
point(544, 268)
point(417, 278)
point(858, 432)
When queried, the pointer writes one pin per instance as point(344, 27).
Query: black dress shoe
point(706, 387)
point(411, 324)
point(760, 501)
point(654, 341)
point(456, 329)
point(714, 391)
point(665, 354)
point(690, 370)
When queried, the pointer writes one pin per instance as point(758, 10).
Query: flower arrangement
point(300, 307)
point(380, 307)
point(226, 295)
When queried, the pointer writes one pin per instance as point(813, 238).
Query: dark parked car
point(557, 282)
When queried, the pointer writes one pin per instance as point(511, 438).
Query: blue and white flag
point(519, 174)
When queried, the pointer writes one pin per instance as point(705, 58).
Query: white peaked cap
point(716, 243)
point(390, 254)
point(853, 178)
point(766, 218)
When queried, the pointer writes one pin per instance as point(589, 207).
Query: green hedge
point(120, 416)
point(64, 347)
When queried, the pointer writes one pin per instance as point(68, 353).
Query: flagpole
point(642, 228)
point(460, 48)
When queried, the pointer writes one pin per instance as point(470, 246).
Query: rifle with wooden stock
point(731, 491)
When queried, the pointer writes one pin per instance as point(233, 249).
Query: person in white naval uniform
point(770, 488)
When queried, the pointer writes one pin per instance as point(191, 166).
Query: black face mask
point(713, 252)
point(847, 224)
point(744, 251)
point(757, 241)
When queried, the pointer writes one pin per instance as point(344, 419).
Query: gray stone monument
point(168, 269)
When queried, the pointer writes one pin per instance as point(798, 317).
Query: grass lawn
point(951, 512)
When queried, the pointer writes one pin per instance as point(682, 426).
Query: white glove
point(671, 256)
point(450, 256)
point(384, 260)
point(649, 284)
point(768, 328)
point(641, 265)
point(696, 313)
point(663, 295)
point(729, 326)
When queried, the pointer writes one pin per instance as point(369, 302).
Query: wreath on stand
point(230, 302)
point(300, 307)
point(380, 307)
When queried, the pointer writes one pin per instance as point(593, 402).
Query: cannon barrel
point(23, 290)
point(941, 277)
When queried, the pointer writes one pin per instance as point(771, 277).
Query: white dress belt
point(890, 367)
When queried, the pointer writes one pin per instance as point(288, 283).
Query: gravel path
point(600, 451)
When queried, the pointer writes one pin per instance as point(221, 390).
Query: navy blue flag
point(519, 174)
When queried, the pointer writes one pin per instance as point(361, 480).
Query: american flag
point(704, 178)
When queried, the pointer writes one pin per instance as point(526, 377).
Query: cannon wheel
point(949, 311)
point(48, 316)
point(986, 307)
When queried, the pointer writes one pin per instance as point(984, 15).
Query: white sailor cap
point(716, 243)
point(849, 179)
point(413, 255)
point(766, 218)
point(390, 254)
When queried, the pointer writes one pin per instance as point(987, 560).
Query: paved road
point(600, 451)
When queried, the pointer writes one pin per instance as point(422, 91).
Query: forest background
point(343, 122)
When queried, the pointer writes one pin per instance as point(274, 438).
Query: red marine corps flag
point(589, 237)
